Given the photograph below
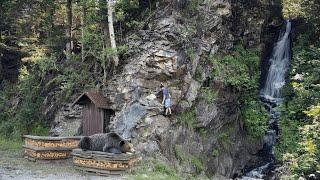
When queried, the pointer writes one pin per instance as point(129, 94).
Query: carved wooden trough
point(104, 163)
point(49, 148)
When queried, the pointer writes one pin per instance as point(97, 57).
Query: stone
point(67, 121)
point(149, 147)
point(205, 113)
point(157, 55)
point(127, 119)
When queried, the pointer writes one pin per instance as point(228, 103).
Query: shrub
point(164, 169)
point(197, 164)
point(224, 140)
point(209, 94)
point(215, 152)
point(187, 119)
point(179, 153)
point(240, 69)
point(255, 118)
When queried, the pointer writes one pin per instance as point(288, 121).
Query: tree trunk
point(83, 24)
point(69, 28)
point(111, 32)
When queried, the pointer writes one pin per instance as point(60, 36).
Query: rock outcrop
point(171, 50)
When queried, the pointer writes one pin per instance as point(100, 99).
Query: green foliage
point(202, 132)
point(255, 118)
point(225, 140)
point(209, 94)
point(10, 144)
point(190, 7)
point(29, 111)
point(185, 157)
point(197, 164)
point(240, 69)
point(130, 15)
point(187, 119)
point(153, 170)
point(215, 152)
point(164, 169)
point(68, 77)
point(190, 53)
point(299, 140)
point(307, 9)
point(20, 118)
point(179, 153)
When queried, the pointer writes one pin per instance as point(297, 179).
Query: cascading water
point(279, 66)
point(271, 96)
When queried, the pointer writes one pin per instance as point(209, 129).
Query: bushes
point(154, 170)
point(209, 94)
point(44, 78)
point(239, 69)
point(185, 157)
point(304, 159)
point(187, 119)
point(299, 139)
point(19, 118)
point(255, 118)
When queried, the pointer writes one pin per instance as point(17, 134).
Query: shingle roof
point(95, 97)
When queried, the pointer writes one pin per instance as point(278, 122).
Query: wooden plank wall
point(92, 119)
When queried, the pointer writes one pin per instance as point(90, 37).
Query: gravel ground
point(14, 167)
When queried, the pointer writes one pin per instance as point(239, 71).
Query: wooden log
point(101, 172)
point(47, 142)
point(48, 155)
point(35, 148)
point(102, 162)
point(88, 154)
point(52, 138)
point(49, 148)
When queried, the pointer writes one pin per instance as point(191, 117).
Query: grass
point(188, 119)
point(215, 152)
point(153, 170)
point(197, 164)
point(209, 94)
point(225, 140)
point(182, 156)
point(179, 153)
point(153, 176)
point(6, 144)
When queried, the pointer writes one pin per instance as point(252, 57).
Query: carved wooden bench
point(49, 148)
point(104, 163)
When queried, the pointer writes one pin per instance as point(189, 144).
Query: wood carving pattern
point(100, 164)
point(54, 144)
point(47, 154)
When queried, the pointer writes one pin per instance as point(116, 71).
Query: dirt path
point(14, 167)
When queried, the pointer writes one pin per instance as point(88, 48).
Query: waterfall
point(279, 65)
point(271, 96)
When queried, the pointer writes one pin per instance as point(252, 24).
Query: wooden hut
point(96, 114)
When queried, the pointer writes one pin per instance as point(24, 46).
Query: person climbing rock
point(166, 100)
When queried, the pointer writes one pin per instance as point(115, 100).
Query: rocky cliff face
point(173, 49)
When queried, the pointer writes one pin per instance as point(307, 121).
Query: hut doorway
point(96, 113)
point(108, 117)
